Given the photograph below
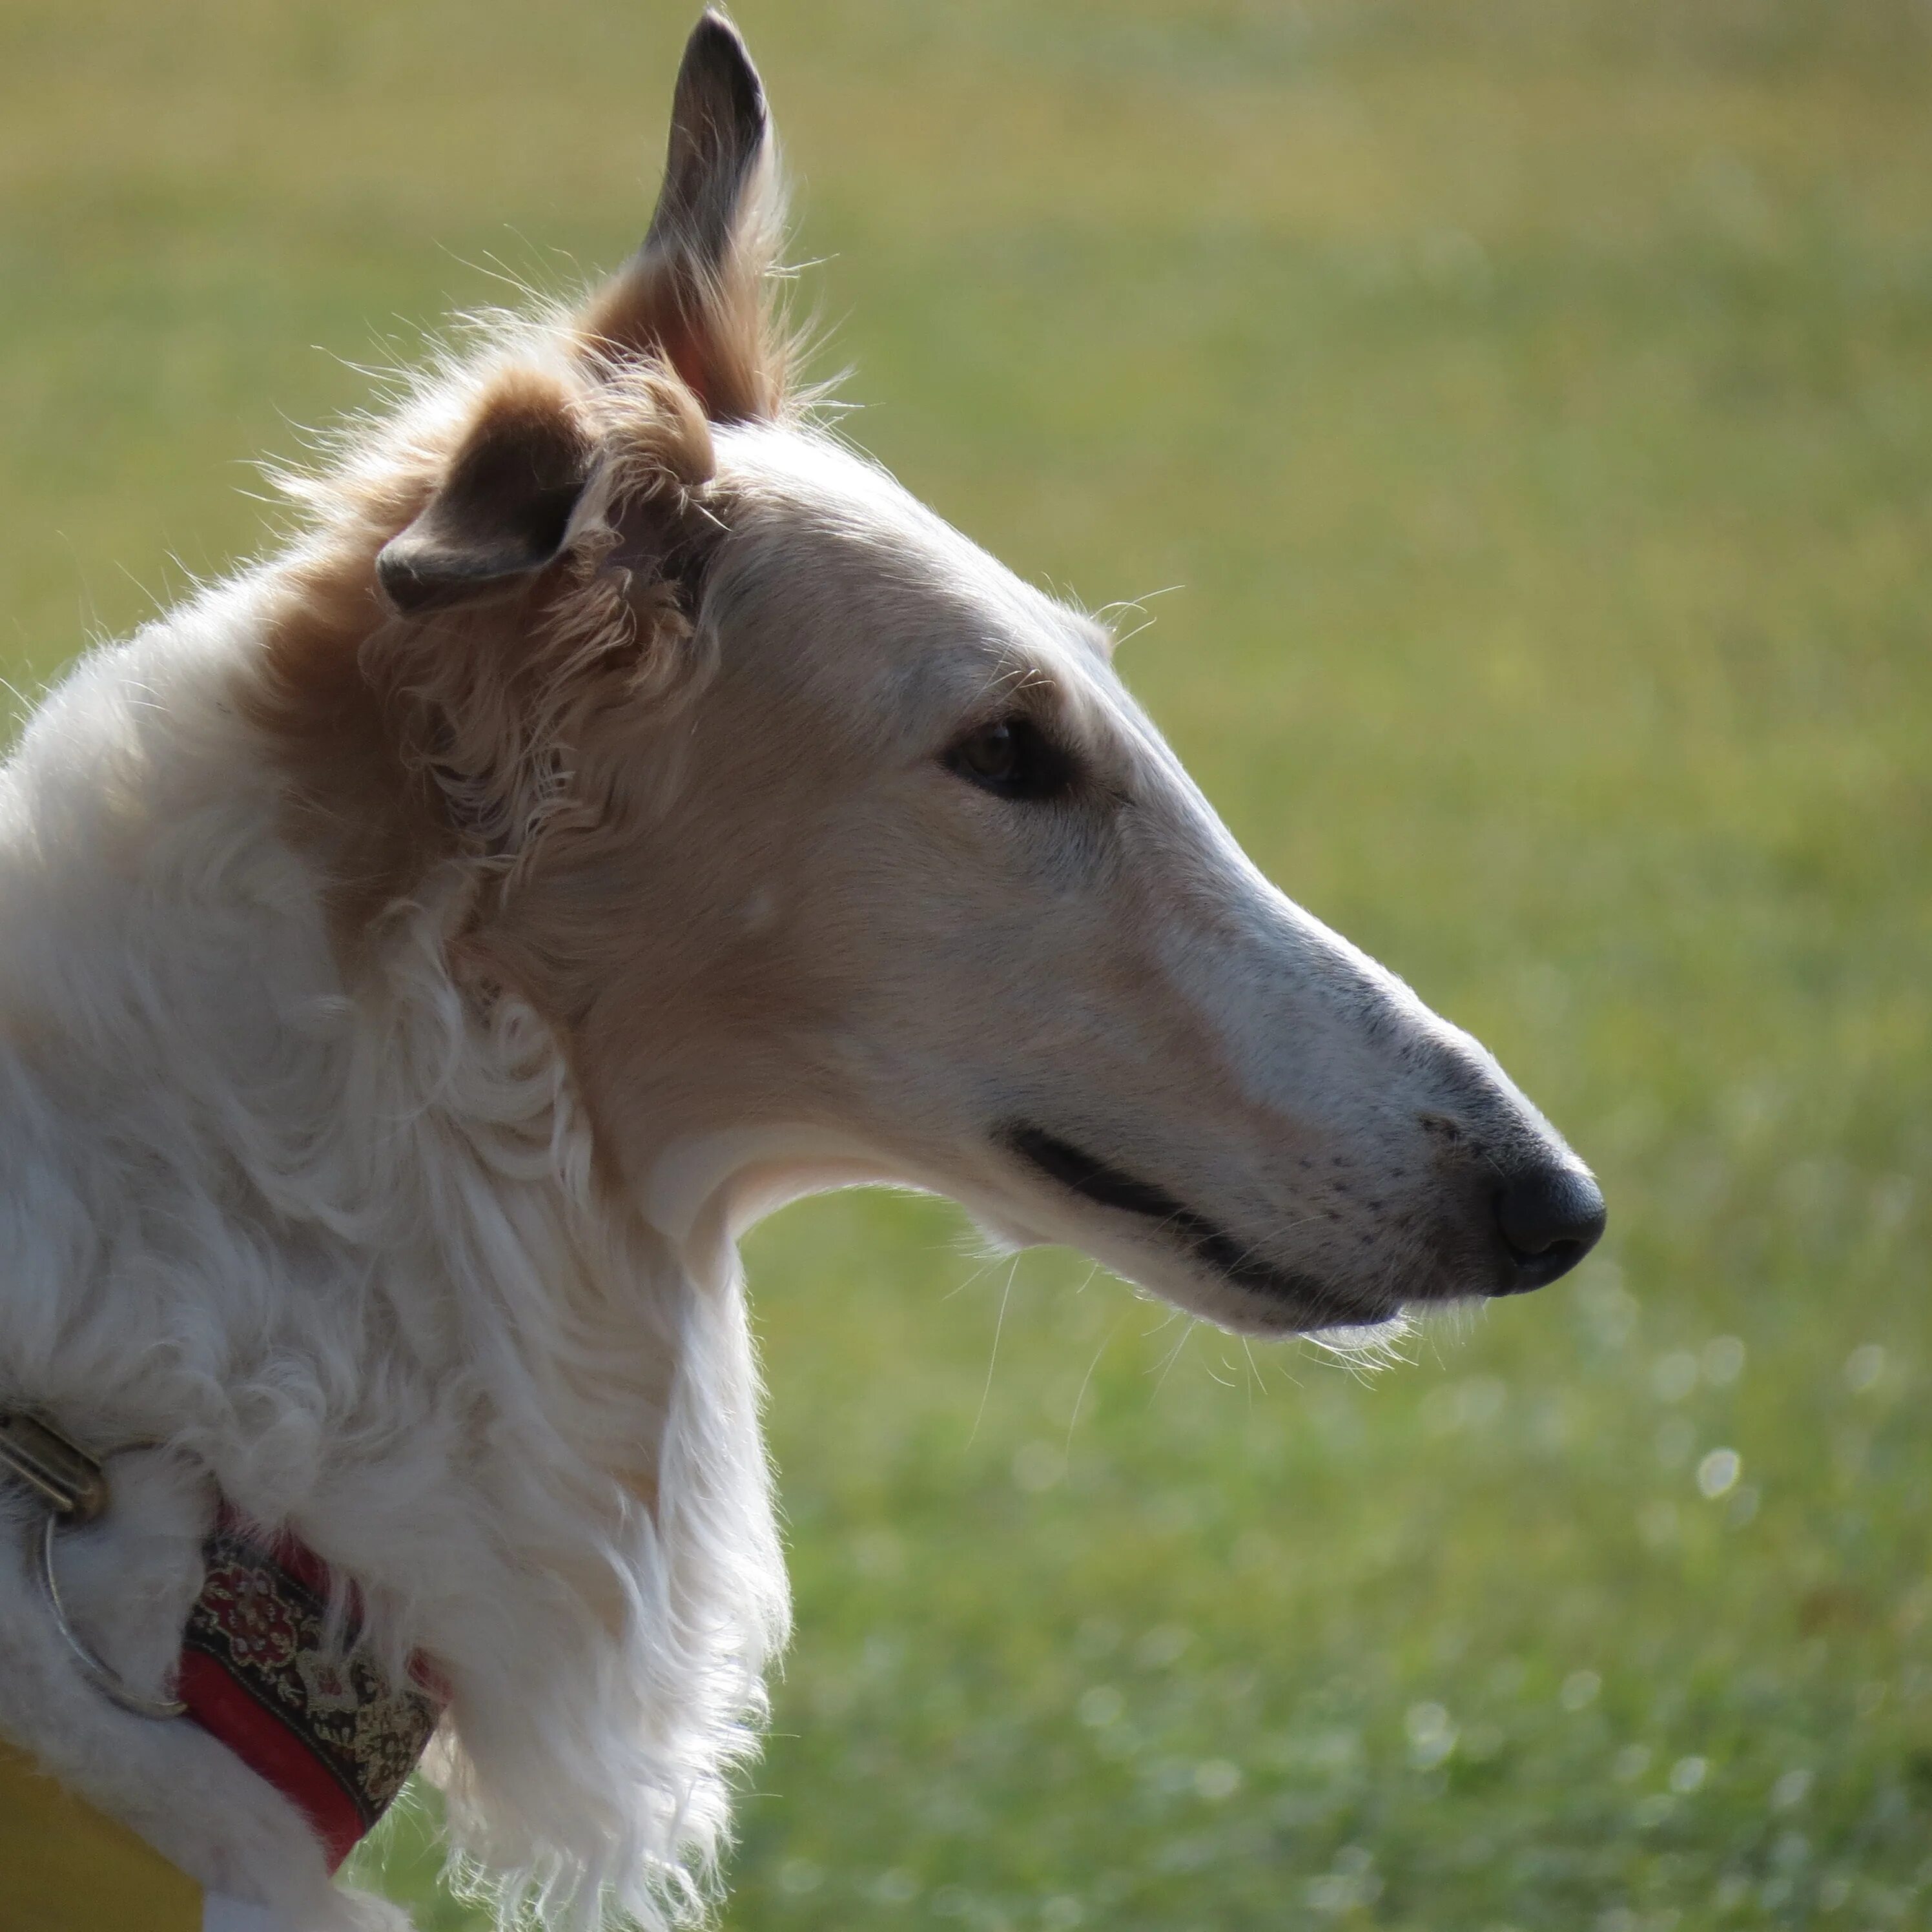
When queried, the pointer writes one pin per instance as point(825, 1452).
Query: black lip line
point(1106, 1186)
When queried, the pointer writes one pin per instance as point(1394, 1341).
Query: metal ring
point(107, 1680)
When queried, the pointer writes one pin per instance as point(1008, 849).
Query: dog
point(620, 810)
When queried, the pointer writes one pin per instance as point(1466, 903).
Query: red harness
point(265, 1667)
point(296, 1702)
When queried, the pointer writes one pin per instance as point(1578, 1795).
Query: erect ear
point(503, 512)
point(695, 294)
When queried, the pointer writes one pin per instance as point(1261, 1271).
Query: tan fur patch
point(408, 742)
point(357, 797)
point(719, 333)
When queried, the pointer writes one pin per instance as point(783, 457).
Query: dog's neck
point(345, 1248)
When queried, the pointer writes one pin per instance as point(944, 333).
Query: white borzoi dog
point(620, 811)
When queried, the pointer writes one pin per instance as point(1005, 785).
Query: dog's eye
point(1012, 759)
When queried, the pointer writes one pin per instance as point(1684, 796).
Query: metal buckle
point(60, 1473)
point(74, 1486)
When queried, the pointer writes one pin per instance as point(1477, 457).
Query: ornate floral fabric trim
point(264, 1670)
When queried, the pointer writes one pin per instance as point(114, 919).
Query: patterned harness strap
point(263, 1669)
point(271, 1663)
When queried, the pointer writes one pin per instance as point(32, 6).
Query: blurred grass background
point(1533, 403)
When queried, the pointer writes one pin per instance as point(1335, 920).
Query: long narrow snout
point(1310, 1146)
point(1475, 1228)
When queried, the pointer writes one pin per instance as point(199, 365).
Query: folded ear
point(503, 510)
point(695, 293)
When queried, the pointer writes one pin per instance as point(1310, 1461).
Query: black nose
point(1549, 1218)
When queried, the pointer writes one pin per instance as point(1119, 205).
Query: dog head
point(832, 852)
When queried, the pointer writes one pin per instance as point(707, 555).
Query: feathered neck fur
point(344, 1248)
point(298, 1183)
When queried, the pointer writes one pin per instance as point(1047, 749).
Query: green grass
point(1534, 402)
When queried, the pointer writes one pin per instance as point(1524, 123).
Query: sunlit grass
point(1533, 404)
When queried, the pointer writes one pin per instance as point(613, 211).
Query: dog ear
point(503, 512)
point(596, 501)
point(694, 294)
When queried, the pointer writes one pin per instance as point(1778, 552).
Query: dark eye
point(1013, 759)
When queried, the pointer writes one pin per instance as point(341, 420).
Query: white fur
point(316, 1246)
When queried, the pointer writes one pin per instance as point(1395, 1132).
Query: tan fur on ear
point(410, 740)
point(501, 511)
point(722, 335)
point(540, 519)
point(504, 700)
point(698, 294)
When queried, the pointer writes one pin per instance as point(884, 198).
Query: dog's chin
point(1299, 1305)
point(1288, 1304)
point(1359, 1322)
